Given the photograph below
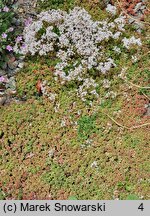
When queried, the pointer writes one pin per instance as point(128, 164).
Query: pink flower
point(9, 48)
point(4, 35)
point(19, 38)
point(5, 9)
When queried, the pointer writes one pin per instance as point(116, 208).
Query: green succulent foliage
point(55, 177)
point(72, 198)
point(6, 2)
point(56, 4)
point(132, 197)
point(2, 195)
point(86, 126)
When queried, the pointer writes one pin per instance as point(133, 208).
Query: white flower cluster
point(78, 42)
point(111, 9)
point(47, 40)
point(131, 41)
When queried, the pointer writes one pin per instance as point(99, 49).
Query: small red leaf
point(39, 86)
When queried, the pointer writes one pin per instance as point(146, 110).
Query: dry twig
point(126, 127)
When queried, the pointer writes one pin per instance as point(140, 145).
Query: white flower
point(111, 94)
point(105, 66)
point(63, 123)
point(56, 108)
point(134, 58)
point(117, 49)
point(94, 164)
point(52, 97)
point(122, 75)
point(111, 9)
point(117, 35)
point(106, 83)
point(120, 21)
point(51, 153)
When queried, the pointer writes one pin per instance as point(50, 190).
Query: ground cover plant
point(9, 34)
point(82, 130)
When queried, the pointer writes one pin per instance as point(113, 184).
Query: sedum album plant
point(81, 45)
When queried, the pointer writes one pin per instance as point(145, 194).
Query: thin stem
point(135, 85)
point(124, 126)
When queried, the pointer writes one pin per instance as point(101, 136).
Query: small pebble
point(12, 65)
point(21, 65)
point(3, 100)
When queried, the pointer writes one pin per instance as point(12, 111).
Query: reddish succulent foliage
point(39, 86)
point(135, 110)
point(129, 7)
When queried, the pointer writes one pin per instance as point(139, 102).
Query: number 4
point(141, 207)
